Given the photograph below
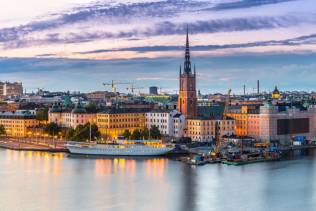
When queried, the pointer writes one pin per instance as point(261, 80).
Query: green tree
point(145, 134)
point(42, 114)
point(70, 133)
point(155, 132)
point(82, 132)
point(2, 130)
point(92, 107)
point(52, 128)
point(136, 135)
point(127, 134)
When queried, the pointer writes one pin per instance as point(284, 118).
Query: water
point(43, 181)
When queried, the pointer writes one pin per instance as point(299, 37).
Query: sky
point(79, 44)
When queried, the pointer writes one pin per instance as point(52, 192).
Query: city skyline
point(233, 42)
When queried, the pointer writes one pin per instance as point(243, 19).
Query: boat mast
point(90, 131)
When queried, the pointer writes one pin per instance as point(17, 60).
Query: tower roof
point(276, 91)
point(187, 59)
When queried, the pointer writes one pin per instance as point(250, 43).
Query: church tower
point(187, 101)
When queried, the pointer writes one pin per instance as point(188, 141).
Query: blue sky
point(78, 44)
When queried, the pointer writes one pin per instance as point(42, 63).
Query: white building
point(204, 130)
point(170, 123)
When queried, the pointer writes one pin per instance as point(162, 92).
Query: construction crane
point(218, 141)
point(227, 101)
point(114, 84)
point(132, 88)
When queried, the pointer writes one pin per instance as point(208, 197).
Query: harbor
point(196, 156)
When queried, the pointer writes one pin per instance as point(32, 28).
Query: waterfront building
point(187, 100)
point(204, 130)
point(170, 123)
point(16, 123)
point(247, 123)
point(270, 122)
point(70, 118)
point(282, 123)
point(113, 122)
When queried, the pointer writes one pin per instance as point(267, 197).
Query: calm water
point(43, 181)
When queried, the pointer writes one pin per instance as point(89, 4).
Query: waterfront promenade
point(31, 144)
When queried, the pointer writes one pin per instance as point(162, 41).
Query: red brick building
point(187, 100)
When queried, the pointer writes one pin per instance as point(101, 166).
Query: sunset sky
point(78, 44)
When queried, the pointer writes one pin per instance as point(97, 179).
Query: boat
point(253, 158)
point(244, 162)
point(121, 148)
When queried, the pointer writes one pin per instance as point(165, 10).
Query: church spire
point(187, 61)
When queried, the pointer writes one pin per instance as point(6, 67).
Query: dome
point(276, 91)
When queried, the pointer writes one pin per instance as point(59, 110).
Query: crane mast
point(218, 126)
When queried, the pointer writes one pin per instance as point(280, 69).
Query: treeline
point(152, 133)
point(80, 133)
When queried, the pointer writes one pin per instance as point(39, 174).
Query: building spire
point(187, 61)
point(180, 70)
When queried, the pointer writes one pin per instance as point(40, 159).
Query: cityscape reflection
point(46, 181)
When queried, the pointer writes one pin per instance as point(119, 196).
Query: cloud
point(127, 24)
point(14, 38)
point(155, 79)
point(302, 40)
point(247, 4)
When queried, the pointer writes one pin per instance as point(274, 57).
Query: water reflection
point(45, 181)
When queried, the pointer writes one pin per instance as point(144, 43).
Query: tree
point(145, 134)
point(92, 107)
point(70, 133)
point(52, 128)
point(136, 135)
point(42, 114)
point(82, 133)
point(2, 130)
point(95, 133)
point(155, 132)
point(127, 134)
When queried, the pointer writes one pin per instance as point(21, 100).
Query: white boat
point(121, 148)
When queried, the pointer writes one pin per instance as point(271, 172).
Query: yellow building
point(16, 124)
point(246, 118)
point(276, 95)
point(113, 122)
point(203, 130)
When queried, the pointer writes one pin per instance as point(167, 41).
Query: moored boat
point(121, 148)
